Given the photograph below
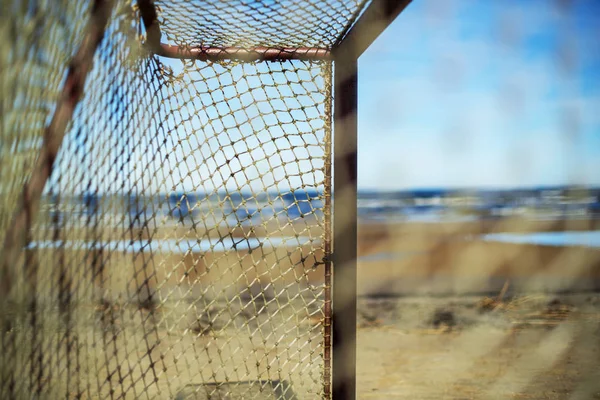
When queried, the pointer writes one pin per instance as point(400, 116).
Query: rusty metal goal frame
point(340, 251)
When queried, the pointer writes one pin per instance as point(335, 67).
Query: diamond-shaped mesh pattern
point(181, 236)
point(37, 48)
point(269, 23)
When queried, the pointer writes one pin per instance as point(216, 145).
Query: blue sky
point(485, 93)
point(456, 93)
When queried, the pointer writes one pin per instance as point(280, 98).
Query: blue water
point(569, 238)
point(180, 246)
point(574, 238)
point(387, 256)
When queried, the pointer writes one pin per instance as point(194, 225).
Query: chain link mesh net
point(180, 247)
point(281, 24)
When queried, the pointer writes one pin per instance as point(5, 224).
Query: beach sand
point(430, 326)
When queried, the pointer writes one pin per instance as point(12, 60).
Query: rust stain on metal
point(200, 53)
point(241, 54)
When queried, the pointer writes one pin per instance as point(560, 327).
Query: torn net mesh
point(181, 235)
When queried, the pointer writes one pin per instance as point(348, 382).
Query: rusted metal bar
point(344, 227)
point(202, 53)
point(378, 16)
point(241, 54)
point(72, 91)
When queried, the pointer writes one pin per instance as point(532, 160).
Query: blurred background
point(479, 128)
point(479, 202)
point(186, 218)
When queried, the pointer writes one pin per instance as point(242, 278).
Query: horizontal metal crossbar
point(378, 15)
point(153, 36)
point(240, 54)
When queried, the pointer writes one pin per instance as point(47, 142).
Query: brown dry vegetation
point(523, 343)
point(401, 353)
point(234, 315)
point(448, 258)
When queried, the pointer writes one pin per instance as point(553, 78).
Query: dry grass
point(401, 353)
point(213, 316)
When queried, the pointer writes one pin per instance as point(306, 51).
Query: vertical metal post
point(376, 17)
point(344, 225)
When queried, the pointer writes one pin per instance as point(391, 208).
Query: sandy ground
point(534, 346)
point(427, 331)
point(528, 347)
point(422, 334)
